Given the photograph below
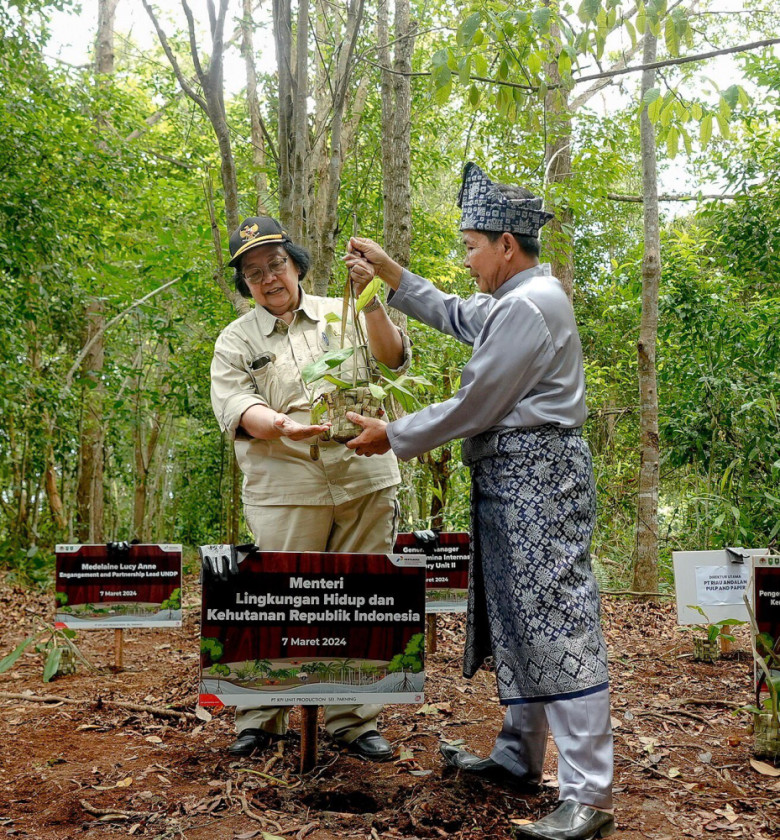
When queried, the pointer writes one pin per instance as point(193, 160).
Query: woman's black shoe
point(250, 740)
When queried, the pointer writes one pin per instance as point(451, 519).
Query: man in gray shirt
point(533, 600)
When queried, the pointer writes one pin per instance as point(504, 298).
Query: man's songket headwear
point(485, 208)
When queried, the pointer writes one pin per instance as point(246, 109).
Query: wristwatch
point(373, 305)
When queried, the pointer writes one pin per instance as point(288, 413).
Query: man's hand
point(220, 561)
point(385, 267)
point(373, 439)
point(289, 428)
point(361, 272)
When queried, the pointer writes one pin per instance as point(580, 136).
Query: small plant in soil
point(707, 635)
point(363, 390)
point(60, 652)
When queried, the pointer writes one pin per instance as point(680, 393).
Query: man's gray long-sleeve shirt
point(526, 369)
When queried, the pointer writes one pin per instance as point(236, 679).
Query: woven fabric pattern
point(533, 600)
point(483, 207)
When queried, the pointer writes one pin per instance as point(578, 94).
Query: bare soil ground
point(94, 770)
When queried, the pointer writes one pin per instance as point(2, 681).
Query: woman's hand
point(289, 428)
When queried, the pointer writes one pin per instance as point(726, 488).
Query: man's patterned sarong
point(533, 600)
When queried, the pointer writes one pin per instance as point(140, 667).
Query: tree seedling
point(369, 384)
point(711, 630)
point(60, 651)
point(707, 634)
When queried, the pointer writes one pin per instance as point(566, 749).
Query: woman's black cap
point(254, 231)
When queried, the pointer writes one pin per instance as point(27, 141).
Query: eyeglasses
point(277, 266)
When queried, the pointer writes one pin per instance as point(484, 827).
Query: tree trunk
point(396, 129)
point(557, 158)
point(104, 39)
point(323, 224)
point(282, 18)
point(646, 567)
point(292, 120)
point(52, 491)
point(90, 493)
point(255, 119)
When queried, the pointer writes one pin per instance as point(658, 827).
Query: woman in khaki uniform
point(339, 502)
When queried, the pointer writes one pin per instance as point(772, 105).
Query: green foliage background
point(86, 214)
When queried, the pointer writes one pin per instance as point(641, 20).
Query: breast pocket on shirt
point(265, 377)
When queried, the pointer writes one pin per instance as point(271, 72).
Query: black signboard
point(447, 557)
point(766, 604)
point(105, 587)
point(314, 628)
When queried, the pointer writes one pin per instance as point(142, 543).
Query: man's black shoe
point(371, 745)
point(250, 740)
point(569, 821)
point(483, 768)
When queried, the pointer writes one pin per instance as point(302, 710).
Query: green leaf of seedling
point(332, 359)
point(377, 391)
point(332, 318)
point(372, 289)
point(9, 660)
point(52, 663)
point(318, 409)
point(339, 383)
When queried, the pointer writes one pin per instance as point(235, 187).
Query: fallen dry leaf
point(125, 782)
point(153, 739)
point(763, 768)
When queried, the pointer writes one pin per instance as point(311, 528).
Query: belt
point(511, 441)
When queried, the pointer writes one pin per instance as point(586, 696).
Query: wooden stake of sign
point(432, 632)
point(119, 642)
point(308, 738)
point(726, 645)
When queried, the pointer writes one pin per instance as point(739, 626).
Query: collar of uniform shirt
point(268, 322)
point(521, 277)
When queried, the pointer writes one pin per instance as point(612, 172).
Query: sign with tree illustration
point(766, 606)
point(314, 628)
point(447, 559)
point(115, 587)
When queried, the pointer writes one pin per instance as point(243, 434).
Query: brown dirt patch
point(92, 770)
